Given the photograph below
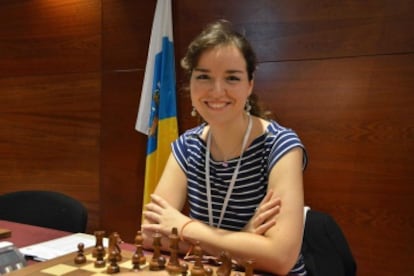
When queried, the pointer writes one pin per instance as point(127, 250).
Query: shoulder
point(190, 137)
point(274, 128)
point(282, 139)
point(192, 133)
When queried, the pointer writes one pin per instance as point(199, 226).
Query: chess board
point(112, 259)
point(66, 266)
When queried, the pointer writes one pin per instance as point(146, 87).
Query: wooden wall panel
point(305, 29)
point(126, 33)
point(123, 152)
point(50, 86)
point(50, 136)
point(354, 117)
point(48, 37)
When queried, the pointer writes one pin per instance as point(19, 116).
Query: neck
point(226, 141)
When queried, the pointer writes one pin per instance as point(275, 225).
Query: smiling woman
point(241, 172)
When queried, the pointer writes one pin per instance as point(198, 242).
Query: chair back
point(44, 208)
point(325, 249)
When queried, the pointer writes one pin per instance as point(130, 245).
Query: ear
point(251, 85)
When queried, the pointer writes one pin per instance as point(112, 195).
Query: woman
point(238, 170)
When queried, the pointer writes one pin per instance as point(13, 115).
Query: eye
point(233, 78)
point(202, 77)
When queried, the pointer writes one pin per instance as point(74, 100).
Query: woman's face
point(219, 84)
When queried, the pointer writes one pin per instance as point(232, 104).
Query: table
point(24, 234)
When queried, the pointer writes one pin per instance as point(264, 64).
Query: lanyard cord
point(233, 179)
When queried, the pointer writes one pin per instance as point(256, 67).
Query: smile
point(217, 105)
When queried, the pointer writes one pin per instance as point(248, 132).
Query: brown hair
point(217, 34)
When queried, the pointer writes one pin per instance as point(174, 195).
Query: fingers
point(154, 209)
point(266, 212)
point(261, 229)
point(151, 216)
point(151, 227)
point(265, 216)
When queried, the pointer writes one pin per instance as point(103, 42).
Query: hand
point(162, 217)
point(264, 217)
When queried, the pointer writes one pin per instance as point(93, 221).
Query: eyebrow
point(227, 71)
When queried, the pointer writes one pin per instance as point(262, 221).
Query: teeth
point(217, 105)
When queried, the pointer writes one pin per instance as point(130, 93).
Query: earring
point(193, 112)
point(248, 107)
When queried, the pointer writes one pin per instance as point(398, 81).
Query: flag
point(157, 114)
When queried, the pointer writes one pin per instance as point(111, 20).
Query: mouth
point(217, 105)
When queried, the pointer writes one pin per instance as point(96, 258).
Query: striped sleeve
point(182, 147)
point(179, 151)
point(284, 141)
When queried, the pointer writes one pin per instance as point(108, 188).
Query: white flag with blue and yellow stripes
point(157, 114)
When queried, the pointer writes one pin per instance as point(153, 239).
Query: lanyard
point(233, 179)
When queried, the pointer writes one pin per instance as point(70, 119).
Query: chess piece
point(113, 245)
point(113, 263)
point(208, 271)
point(99, 235)
point(173, 266)
point(135, 260)
point(100, 257)
point(226, 265)
point(184, 269)
point(198, 268)
point(80, 257)
point(248, 268)
point(156, 260)
point(139, 240)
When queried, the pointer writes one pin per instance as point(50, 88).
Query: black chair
point(44, 208)
point(325, 249)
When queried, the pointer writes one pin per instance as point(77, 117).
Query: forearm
point(273, 254)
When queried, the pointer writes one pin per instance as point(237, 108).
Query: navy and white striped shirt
point(252, 180)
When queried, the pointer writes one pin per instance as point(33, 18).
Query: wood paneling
point(49, 37)
point(306, 29)
point(50, 136)
point(50, 86)
point(126, 32)
point(123, 152)
point(354, 117)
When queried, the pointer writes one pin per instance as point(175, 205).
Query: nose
point(218, 87)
